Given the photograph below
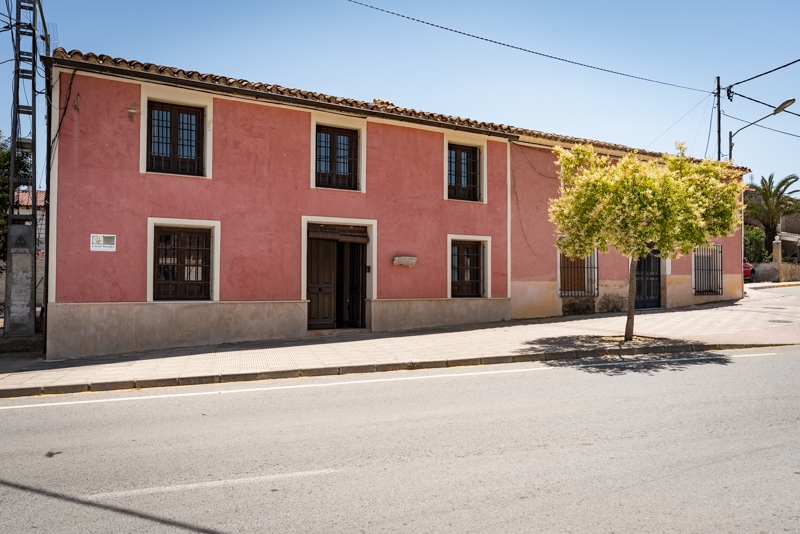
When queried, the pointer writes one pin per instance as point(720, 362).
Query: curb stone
point(374, 368)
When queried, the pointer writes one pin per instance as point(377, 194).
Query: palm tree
point(773, 202)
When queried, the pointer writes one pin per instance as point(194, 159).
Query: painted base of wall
point(530, 300)
point(680, 293)
point(407, 314)
point(79, 330)
point(612, 297)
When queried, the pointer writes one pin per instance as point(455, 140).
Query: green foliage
point(773, 202)
point(23, 168)
point(674, 204)
point(754, 249)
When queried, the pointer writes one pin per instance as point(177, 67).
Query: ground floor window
point(708, 270)
point(578, 276)
point(182, 264)
point(467, 278)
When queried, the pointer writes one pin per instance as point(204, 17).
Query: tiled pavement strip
point(763, 318)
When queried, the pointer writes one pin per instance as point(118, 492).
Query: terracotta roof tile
point(23, 198)
point(64, 58)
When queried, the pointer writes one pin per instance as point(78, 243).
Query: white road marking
point(274, 388)
point(372, 381)
point(204, 485)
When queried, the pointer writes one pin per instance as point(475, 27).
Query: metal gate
point(648, 282)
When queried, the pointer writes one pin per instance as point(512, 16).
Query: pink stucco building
point(190, 209)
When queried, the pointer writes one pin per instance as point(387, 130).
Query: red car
point(748, 271)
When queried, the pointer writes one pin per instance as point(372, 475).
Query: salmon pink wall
point(259, 192)
point(534, 181)
point(731, 256)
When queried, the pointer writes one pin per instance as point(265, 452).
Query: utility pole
point(719, 121)
point(21, 240)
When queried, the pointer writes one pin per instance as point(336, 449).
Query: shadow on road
point(109, 508)
point(648, 364)
point(596, 356)
point(599, 343)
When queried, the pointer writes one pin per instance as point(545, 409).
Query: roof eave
point(51, 62)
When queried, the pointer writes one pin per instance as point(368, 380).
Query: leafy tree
point(772, 203)
point(23, 169)
point(674, 205)
point(754, 245)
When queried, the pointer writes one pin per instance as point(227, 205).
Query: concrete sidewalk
point(763, 318)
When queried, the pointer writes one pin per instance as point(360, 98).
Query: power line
point(765, 73)
point(677, 121)
point(527, 50)
point(710, 127)
point(764, 103)
point(760, 126)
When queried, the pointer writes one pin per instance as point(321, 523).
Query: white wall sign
point(103, 243)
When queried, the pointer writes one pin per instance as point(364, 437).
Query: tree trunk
point(631, 300)
point(769, 236)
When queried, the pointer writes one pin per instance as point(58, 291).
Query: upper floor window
point(182, 264)
point(708, 270)
point(463, 175)
point(175, 139)
point(337, 158)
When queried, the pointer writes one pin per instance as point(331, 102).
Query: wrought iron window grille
point(182, 264)
point(578, 277)
point(175, 139)
point(467, 269)
point(708, 270)
point(463, 173)
point(337, 158)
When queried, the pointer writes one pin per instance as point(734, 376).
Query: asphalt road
point(679, 443)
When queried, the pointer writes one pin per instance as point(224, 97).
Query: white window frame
point(481, 143)
point(349, 123)
point(214, 226)
point(181, 97)
point(486, 253)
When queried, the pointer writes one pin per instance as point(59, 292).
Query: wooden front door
point(321, 287)
point(351, 276)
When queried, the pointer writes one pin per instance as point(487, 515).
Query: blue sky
point(339, 48)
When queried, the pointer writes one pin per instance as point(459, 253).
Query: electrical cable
point(764, 103)
point(764, 73)
point(710, 127)
point(679, 120)
point(760, 126)
point(527, 50)
point(699, 125)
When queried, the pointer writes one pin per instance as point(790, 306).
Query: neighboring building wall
point(680, 286)
point(534, 272)
point(791, 224)
point(534, 257)
point(259, 192)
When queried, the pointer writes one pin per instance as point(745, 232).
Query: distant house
point(191, 209)
point(22, 200)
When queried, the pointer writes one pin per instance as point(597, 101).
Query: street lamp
point(777, 110)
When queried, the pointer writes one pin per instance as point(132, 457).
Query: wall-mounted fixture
point(407, 261)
